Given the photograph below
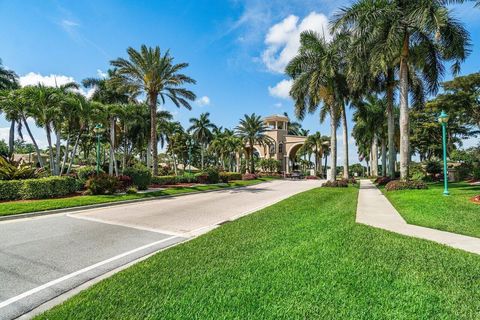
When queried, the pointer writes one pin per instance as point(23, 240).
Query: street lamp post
point(98, 130)
point(443, 119)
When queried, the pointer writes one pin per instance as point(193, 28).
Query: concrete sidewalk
point(375, 210)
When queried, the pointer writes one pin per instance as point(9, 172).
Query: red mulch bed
point(476, 199)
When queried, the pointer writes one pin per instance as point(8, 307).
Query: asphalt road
point(43, 257)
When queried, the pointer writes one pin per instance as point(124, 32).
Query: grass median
point(17, 207)
point(430, 208)
point(302, 258)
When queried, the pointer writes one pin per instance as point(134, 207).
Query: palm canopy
point(252, 130)
point(201, 128)
point(417, 37)
point(8, 78)
point(317, 71)
point(155, 74)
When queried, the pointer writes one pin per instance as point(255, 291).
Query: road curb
point(110, 204)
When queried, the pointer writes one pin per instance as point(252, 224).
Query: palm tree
point(156, 75)
point(252, 130)
point(9, 81)
point(201, 130)
point(318, 78)
point(369, 118)
point(417, 37)
point(317, 144)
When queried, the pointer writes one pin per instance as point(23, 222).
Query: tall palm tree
point(417, 37)
point(318, 144)
point(201, 130)
point(318, 78)
point(9, 81)
point(252, 130)
point(156, 75)
point(369, 118)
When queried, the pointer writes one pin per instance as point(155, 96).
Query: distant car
point(297, 175)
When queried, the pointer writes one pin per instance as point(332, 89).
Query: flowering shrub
point(124, 182)
point(229, 176)
point(102, 184)
point(311, 177)
point(336, 184)
point(249, 176)
point(381, 181)
point(405, 185)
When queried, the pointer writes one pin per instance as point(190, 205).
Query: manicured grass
point(429, 208)
point(17, 207)
point(303, 258)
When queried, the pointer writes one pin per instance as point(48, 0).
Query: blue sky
point(236, 49)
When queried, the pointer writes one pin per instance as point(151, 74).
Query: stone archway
point(291, 151)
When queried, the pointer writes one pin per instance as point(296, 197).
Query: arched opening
point(291, 159)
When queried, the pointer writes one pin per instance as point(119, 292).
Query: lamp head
point(98, 129)
point(443, 117)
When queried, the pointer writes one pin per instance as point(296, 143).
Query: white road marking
point(76, 273)
point(127, 225)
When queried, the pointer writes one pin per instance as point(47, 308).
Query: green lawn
point(429, 208)
point(303, 258)
point(17, 207)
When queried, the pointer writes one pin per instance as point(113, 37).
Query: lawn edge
point(112, 203)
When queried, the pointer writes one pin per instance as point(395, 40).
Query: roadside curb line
point(110, 204)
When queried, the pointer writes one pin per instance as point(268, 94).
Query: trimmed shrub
point(124, 182)
point(336, 184)
point(311, 178)
point(40, 188)
point(86, 172)
point(132, 190)
point(163, 180)
point(140, 175)
point(209, 175)
point(433, 167)
point(11, 189)
point(229, 176)
point(249, 176)
point(381, 181)
point(102, 184)
point(186, 178)
point(405, 185)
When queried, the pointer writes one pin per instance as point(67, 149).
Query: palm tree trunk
point(11, 138)
point(148, 155)
point(152, 99)
point(74, 151)
point(124, 158)
point(50, 151)
point(325, 167)
point(112, 145)
point(65, 154)
point(202, 155)
point(374, 157)
point(333, 144)
point(384, 158)
point(345, 143)
point(57, 152)
point(392, 153)
point(37, 150)
point(404, 121)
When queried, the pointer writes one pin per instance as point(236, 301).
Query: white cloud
point(52, 80)
point(203, 101)
point(283, 39)
point(278, 105)
point(66, 23)
point(281, 89)
point(102, 74)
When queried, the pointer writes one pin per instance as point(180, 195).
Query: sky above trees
point(237, 49)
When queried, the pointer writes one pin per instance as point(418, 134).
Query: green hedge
point(10, 189)
point(42, 188)
point(229, 176)
point(141, 176)
point(163, 180)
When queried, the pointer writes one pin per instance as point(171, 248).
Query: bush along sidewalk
point(41, 188)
